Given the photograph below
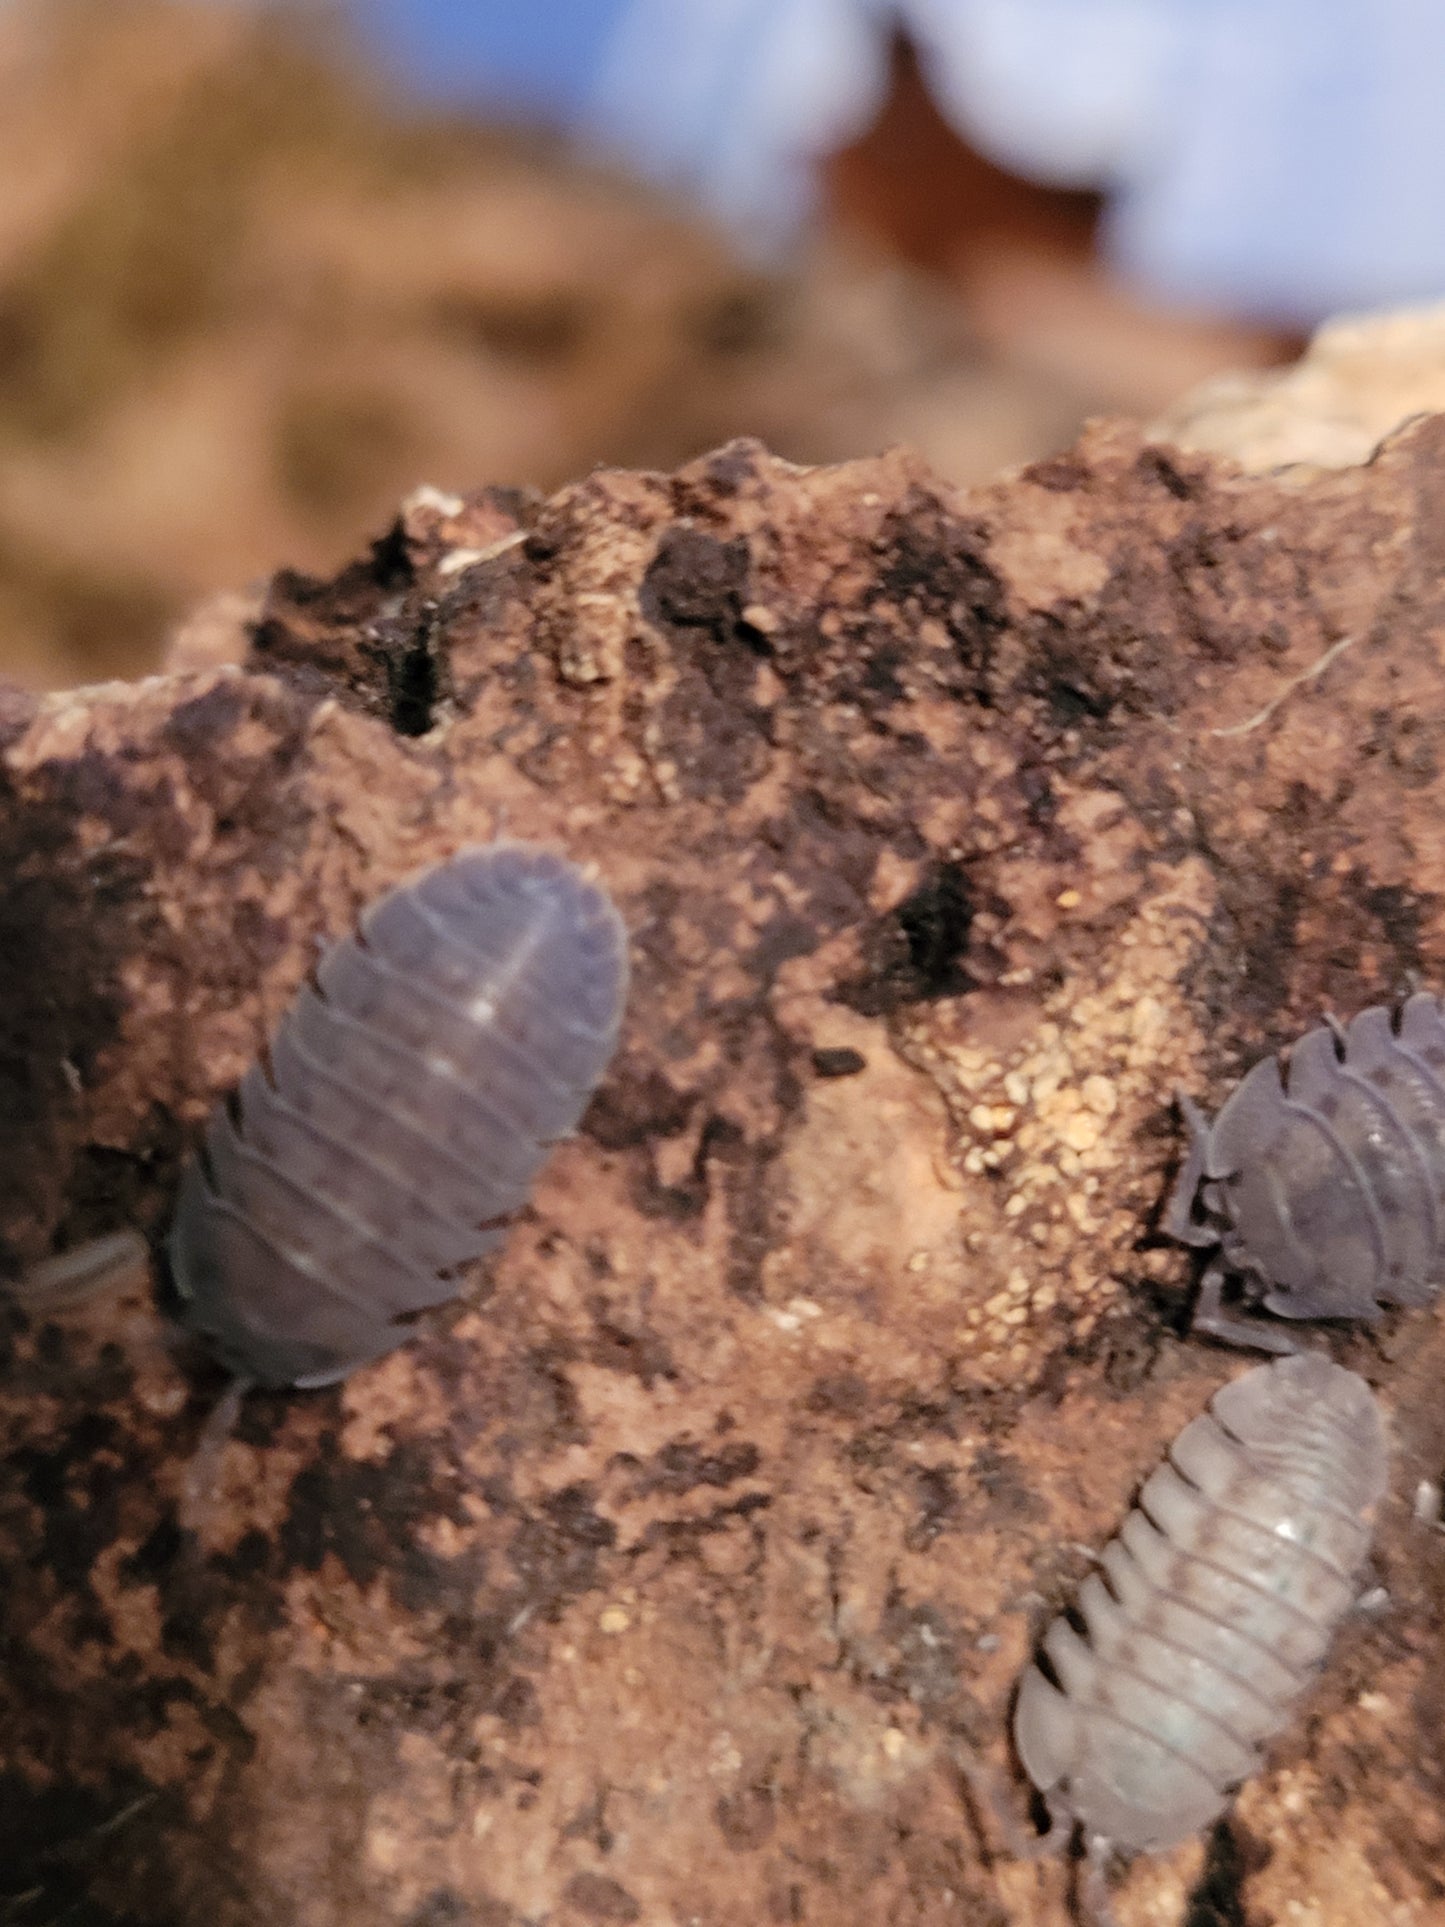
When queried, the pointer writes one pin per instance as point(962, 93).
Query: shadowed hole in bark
point(413, 683)
point(1218, 1900)
point(915, 954)
point(839, 1061)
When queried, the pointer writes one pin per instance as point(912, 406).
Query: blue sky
point(523, 54)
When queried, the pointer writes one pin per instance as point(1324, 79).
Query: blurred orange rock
point(246, 301)
point(1362, 376)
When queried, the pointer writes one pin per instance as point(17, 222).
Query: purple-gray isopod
point(411, 1094)
point(1324, 1189)
point(1212, 1609)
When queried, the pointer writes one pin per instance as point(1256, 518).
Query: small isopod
point(1211, 1610)
point(1324, 1189)
point(408, 1099)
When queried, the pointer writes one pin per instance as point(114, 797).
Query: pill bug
point(407, 1100)
point(1323, 1189)
point(1211, 1610)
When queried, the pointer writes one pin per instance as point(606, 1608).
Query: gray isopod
point(1213, 1607)
point(411, 1094)
point(1324, 1189)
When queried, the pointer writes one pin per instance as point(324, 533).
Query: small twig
point(1315, 670)
point(77, 1849)
point(455, 560)
point(85, 1271)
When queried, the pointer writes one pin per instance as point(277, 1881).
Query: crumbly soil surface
point(680, 1574)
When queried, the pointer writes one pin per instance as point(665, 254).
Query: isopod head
point(1321, 1187)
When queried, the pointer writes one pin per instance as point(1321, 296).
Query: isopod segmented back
point(412, 1094)
point(1211, 1608)
point(1324, 1186)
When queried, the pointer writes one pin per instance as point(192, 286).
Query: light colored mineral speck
point(613, 1619)
point(426, 496)
point(164, 1400)
point(383, 1849)
point(1149, 1019)
point(1100, 1095)
point(1080, 1132)
point(1428, 1502)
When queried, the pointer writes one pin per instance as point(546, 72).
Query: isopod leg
point(1094, 1907)
point(990, 1794)
point(202, 1476)
point(1211, 1318)
point(1178, 1219)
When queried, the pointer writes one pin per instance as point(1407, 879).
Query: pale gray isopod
point(411, 1094)
point(1325, 1188)
point(1211, 1610)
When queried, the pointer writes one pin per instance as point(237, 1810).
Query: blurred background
point(265, 268)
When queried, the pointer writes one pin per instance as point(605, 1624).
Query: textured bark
point(682, 1573)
